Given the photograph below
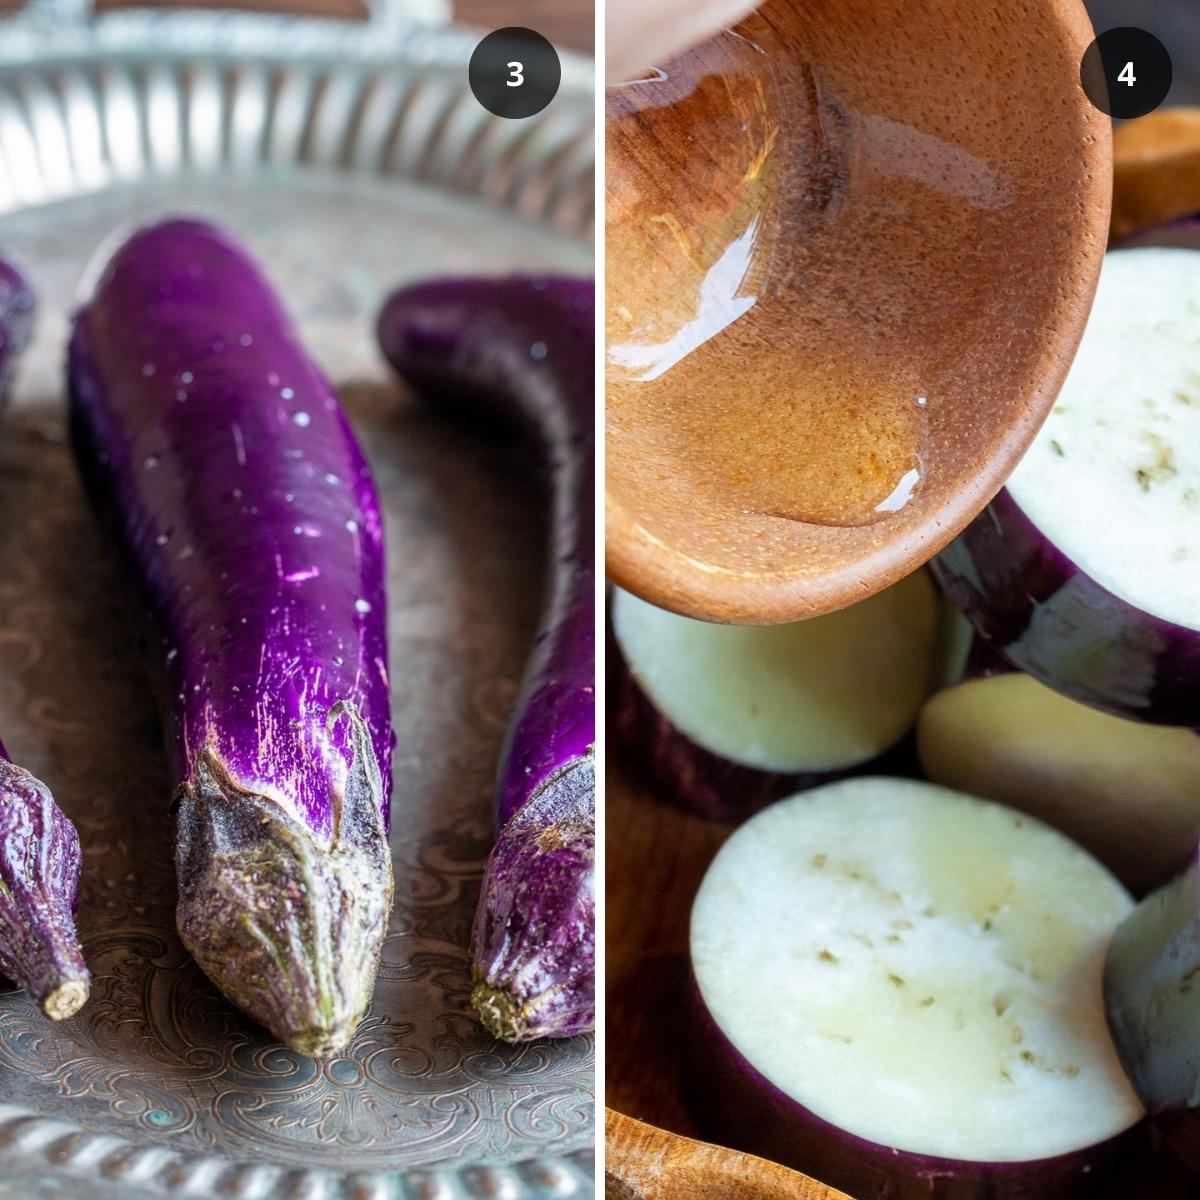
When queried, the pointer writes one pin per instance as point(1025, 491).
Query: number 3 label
point(1126, 76)
point(514, 73)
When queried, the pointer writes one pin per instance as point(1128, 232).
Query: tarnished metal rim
point(39, 39)
point(33, 1143)
point(146, 94)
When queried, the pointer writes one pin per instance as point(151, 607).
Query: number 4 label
point(518, 76)
point(1126, 76)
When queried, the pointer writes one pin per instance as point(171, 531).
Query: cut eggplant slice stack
point(900, 983)
point(1127, 791)
point(732, 716)
point(1085, 569)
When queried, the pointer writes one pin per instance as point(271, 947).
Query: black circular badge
point(1126, 72)
point(514, 72)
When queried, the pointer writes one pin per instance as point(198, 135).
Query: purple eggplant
point(39, 892)
point(246, 512)
point(39, 847)
point(1152, 991)
point(1083, 570)
point(16, 319)
point(521, 351)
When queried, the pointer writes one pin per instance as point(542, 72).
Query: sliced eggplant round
point(901, 995)
point(1126, 791)
point(731, 717)
point(1085, 569)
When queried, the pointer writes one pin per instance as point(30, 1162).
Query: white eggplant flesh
point(900, 990)
point(1085, 569)
point(729, 717)
point(1126, 791)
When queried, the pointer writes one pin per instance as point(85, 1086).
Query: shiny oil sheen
point(761, 348)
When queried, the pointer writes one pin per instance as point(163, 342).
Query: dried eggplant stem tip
point(66, 999)
point(500, 1012)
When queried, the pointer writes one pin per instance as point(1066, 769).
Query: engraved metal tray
point(349, 158)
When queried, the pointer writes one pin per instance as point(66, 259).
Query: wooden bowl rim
point(640, 562)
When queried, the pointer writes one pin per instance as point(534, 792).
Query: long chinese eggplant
point(39, 847)
point(219, 454)
point(520, 351)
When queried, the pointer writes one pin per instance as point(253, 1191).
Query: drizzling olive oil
point(743, 347)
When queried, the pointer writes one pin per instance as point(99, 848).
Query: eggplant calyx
point(533, 958)
point(39, 888)
point(289, 929)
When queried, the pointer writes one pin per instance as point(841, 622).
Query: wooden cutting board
point(656, 857)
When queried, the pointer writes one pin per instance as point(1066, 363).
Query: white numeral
point(517, 78)
point(1126, 75)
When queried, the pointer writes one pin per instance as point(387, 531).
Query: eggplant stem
point(65, 999)
point(289, 929)
point(500, 1012)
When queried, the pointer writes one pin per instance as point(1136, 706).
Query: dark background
point(1176, 23)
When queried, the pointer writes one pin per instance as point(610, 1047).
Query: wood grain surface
point(656, 857)
point(569, 24)
point(645, 1163)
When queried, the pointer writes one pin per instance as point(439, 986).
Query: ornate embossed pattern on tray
point(159, 1087)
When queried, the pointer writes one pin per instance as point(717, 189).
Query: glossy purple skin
point(520, 351)
point(735, 1105)
point(40, 861)
point(246, 507)
point(40, 857)
point(1024, 595)
point(1152, 997)
point(534, 938)
point(246, 512)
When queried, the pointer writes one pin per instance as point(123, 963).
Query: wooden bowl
point(848, 241)
point(643, 1162)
